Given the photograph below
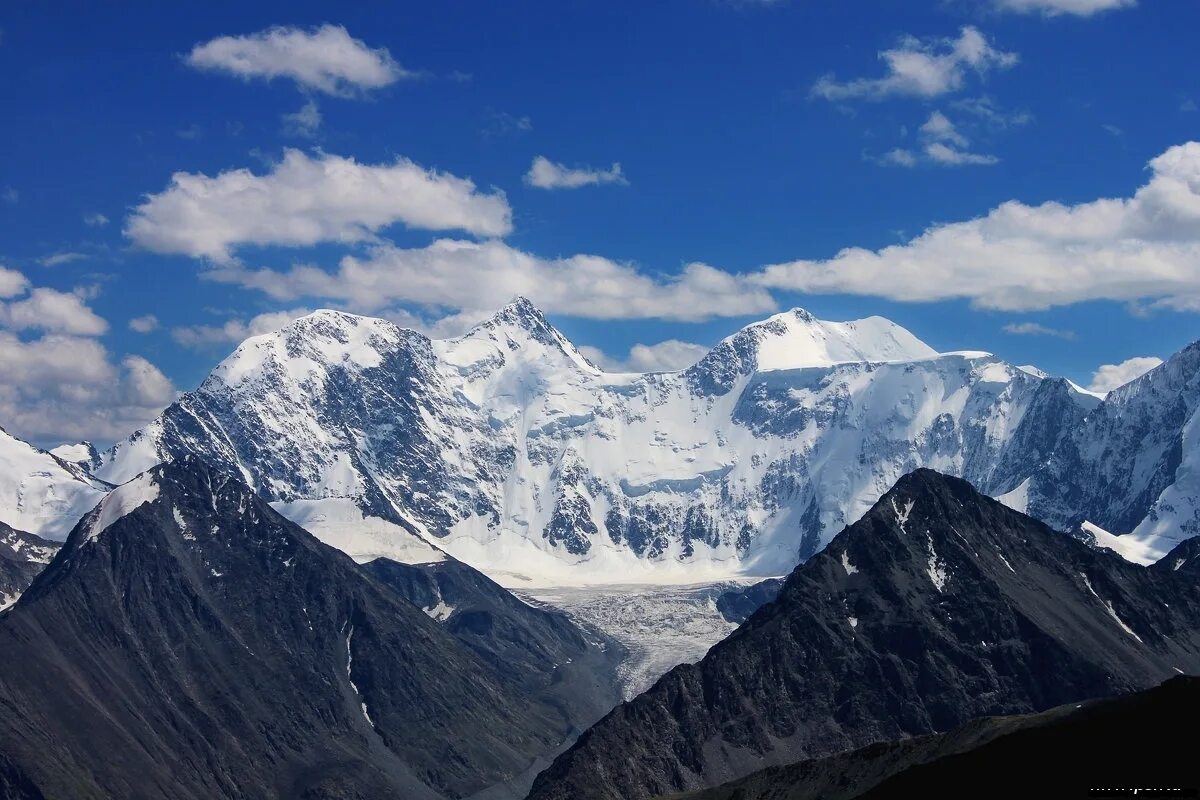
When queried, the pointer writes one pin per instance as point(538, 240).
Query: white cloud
point(472, 276)
point(922, 68)
point(1020, 257)
point(95, 220)
point(546, 174)
point(51, 310)
point(666, 356)
point(898, 157)
point(985, 109)
point(305, 200)
point(939, 128)
point(235, 330)
point(58, 259)
point(942, 143)
point(305, 122)
point(145, 384)
point(945, 144)
point(1036, 329)
point(10, 195)
point(326, 59)
point(66, 388)
point(12, 283)
point(144, 324)
point(1054, 8)
point(1110, 376)
point(942, 153)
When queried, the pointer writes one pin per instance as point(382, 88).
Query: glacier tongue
point(506, 448)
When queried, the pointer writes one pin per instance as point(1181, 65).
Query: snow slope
point(507, 449)
point(40, 493)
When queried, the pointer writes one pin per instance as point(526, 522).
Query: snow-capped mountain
point(508, 449)
point(1131, 467)
point(40, 492)
point(82, 454)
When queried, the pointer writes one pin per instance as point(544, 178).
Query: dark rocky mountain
point(22, 557)
point(939, 606)
point(190, 642)
point(1056, 750)
point(1183, 559)
point(539, 646)
point(737, 605)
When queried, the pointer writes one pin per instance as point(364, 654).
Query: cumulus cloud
point(546, 174)
point(666, 356)
point(922, 68)
point(946, 145)
point(305, 200)
point(325, 59)
point(64, 384)
point(1020, 257)
point(12, 283)
point(234, 331)
point(144, 324)
point(942, 153)
point(1054, 8)
point(51, 310)
point(1037, 329)
point(305, 122)
point(95, 220)
point(939, 128)
point(1111, 376)
point(898, 157)
point(941, 143)
point(470, 276)
point(66, 388)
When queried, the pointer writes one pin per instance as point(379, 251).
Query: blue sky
point(748, 134)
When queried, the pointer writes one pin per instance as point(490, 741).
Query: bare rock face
point(939, 606)
point(22, 557)
point(190, 642)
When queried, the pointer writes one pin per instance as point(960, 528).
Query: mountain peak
point(516, 325)
point(796, 339)
point(521, 313)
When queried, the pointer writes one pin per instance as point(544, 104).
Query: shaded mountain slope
point(1055, 750)
point(539, 647)
point(22, 557)
point(939, 606)
point(189, 642)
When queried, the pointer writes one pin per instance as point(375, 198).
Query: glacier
point(507, 449)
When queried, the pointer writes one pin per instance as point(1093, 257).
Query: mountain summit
point(939, 606)
point(189, 642)
point(507, 449)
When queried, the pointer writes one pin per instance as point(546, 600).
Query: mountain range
point(189, 642)
point(939, 606)
point(508, 450)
